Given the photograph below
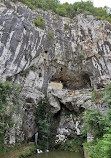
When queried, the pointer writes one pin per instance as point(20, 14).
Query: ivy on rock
point(43, 118)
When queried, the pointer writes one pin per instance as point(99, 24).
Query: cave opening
point(100, 85)
point(81, 110)
point(72, 81)
point(32, 139)
point(86, 80)
point(56, 115)
point(40, 74)
point(46, 51)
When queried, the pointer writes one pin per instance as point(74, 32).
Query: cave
point(86, 80)
point(100, 85)
point(40, 74)
point(29, 100)
point(9, 78)
point(56, 115)
point(46, 51)
point(81, 110)
point(71, 80)
point(32, 139)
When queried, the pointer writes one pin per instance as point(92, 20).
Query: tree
point(8, 93)
point(61, 10)
point(43, 118)
point(94, 122)
point(70, 10)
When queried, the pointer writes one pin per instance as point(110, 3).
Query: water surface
point(58, 154)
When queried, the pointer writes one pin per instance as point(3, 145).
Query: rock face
point(76, 58)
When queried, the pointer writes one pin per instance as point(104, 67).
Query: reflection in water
point(58, 154)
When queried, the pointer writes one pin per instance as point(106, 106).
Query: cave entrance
point(86, 80)
point(72, 81)
point(78, 82)
point(32, 139)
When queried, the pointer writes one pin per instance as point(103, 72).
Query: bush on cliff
point(40, 22)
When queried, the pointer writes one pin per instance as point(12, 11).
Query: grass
point(20, 151)
point(27, 152)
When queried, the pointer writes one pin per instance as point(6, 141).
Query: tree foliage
point(102, 146)
point(100, 126)
point(70, 10)
point(95, 122)
point(43, 117)
point(8, 93)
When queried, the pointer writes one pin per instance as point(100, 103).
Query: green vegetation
point(40, 22)
point(72, 145)
point(43, 119)
point(66, 27)
point(50, 35)
point(28, 152)
point(8, 94)
point(108, 94)
point(101, 146)
point(94, 122)
point(69, 10)
point(80, 56)
point(43, 4)
point(97, 96)
point(100, 126)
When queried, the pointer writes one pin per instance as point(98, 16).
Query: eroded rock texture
point(64, 66)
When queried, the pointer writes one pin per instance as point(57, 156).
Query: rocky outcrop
point(75, 59)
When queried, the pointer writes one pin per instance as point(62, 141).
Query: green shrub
point(66, 26)
point(40, 22)
point(97, 96)
point(61, 10)
point(80, 56)
point(72, 145)
point(94, 122)
point(50, 35)
point(100, 124)
point(101, 147)
point(28, 152)
point(108, 94)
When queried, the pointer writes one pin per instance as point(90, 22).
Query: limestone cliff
point(64, 61)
